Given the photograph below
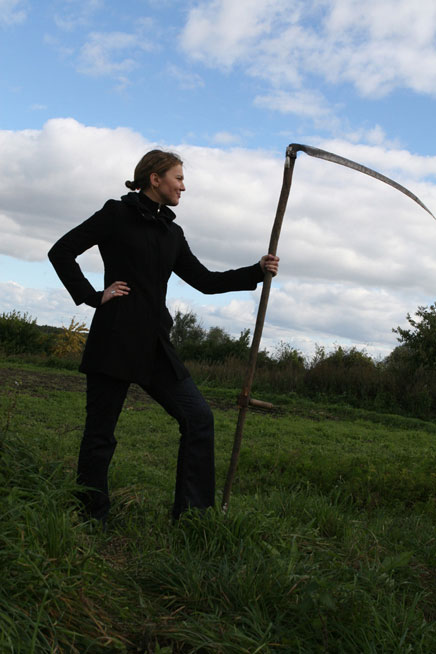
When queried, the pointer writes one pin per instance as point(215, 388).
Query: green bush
point(344, 372)
point(19, 334)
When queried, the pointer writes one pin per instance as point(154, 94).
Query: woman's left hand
point(271, 263)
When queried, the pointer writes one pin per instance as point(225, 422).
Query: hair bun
point(131, 185)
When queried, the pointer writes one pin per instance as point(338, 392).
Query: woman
point(128, 341)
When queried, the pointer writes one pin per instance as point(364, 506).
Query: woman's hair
point(155, 161)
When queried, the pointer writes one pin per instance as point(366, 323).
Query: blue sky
point(106, 67)
point(87, 87)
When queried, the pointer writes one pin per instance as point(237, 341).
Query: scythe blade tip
point(293, 148)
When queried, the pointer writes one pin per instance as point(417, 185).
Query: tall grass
point(256, 581)
point(328, 545)
point(52, 595)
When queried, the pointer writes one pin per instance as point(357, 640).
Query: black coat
point(140, 244)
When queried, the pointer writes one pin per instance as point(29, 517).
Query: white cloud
point(356, 255)
point(64, 172)
point(223, 31)
point(376, 46)
point(304, 103)
point(307, 313)
point(186, 80)
point(64, 51)
point(103, 53)
point(396, 44)
point(12, 11)
point(76, 13)
point(344, 310)
point(374, 136)
point(226, 138)
point(47, 306)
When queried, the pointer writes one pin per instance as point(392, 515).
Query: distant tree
point(244, 338)
point(318, 356)
point(219, 345)
point(399, 360)
point(285, 355)
point(194, 343)
point(217, 336)
point(186, 328)
point(187, 335)
point(349, 358)
point(49, 329)
point(420, 340)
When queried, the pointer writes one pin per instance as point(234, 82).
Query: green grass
point(328, 546)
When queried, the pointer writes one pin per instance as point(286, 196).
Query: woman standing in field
point(141, 246)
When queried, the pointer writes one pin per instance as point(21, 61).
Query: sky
point(88, 86)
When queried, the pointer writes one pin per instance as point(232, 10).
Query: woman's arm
point(64, 252)
point(193, 272)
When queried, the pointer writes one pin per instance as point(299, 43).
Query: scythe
point(244, 398)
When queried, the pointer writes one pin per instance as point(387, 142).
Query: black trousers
point(195, 476)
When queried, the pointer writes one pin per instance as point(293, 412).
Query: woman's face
point(169, 187)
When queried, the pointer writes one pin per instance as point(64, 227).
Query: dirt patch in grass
point(38, 382)
point(34, 382)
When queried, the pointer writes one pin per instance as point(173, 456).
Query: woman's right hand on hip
point(115, 290)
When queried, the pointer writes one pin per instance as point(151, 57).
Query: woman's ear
point(154, 180)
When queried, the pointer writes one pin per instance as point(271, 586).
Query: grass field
point(329, 544)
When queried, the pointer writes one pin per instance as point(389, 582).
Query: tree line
point(405, 381)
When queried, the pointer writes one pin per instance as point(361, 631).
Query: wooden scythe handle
point(244, 397)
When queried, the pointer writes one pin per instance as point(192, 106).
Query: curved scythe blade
point(335, 158)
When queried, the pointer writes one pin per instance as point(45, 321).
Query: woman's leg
point(195, 479)
point(105, 397)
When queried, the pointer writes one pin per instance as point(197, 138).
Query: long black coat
point(142, 245)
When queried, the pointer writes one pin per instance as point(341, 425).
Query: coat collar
point(148, 208)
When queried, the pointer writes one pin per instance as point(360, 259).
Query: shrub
point(71, 340)
point(19, 334)
point(344, 372)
